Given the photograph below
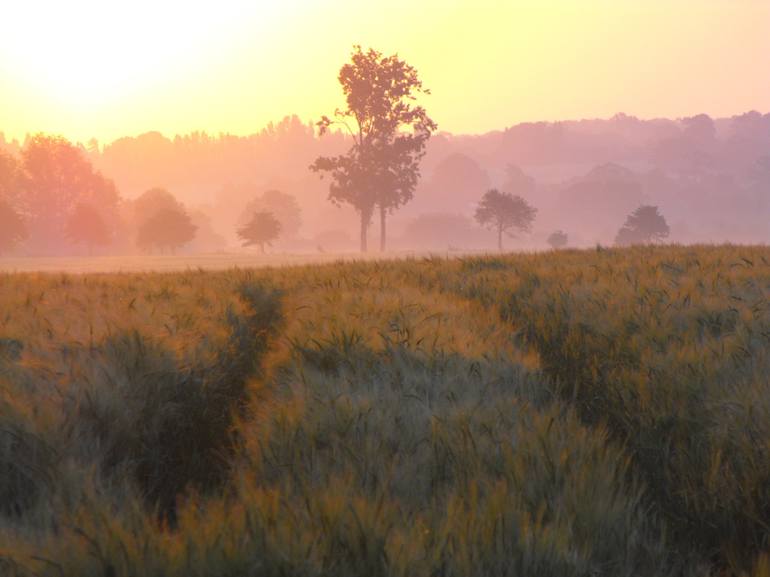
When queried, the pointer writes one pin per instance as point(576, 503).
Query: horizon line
point(19, 140)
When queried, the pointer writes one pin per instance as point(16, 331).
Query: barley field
point(571, 413)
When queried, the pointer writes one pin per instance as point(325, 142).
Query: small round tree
point(284, 207)
point(262, 229)
point(644, 225)
point(86, 225)
point(558, 239)
point(168, 229)
point(504, 213)
point(12, 228)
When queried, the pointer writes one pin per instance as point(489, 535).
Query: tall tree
point(87, 226)
point(261, 229)
point(12, 229)
point(381, 169)
point(504, 213)
point(167, 229)
point(644, 225)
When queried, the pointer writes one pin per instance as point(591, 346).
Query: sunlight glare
point(85, 53)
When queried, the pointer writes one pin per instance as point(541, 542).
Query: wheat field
point(602, 412)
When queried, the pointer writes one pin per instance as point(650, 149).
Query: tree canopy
point(151, 210)
point(153, 201)
point(644, 225)
point(57, 177)
point(87, 226)
point(504, 213)
point(380, 171)
point(261, 229)
point(167, 229)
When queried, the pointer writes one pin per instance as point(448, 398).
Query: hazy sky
point(108, 68)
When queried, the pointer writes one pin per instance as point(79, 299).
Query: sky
point(106, 68)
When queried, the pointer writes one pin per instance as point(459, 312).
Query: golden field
point(577, 413)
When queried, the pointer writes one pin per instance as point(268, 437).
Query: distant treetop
point(644, 225)
point(504, 213)
point(260, 230)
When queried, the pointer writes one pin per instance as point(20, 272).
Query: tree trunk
point(364, 226)
point(382, 228)
point(500, 238)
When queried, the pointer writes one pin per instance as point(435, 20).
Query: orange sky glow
point(104, 69)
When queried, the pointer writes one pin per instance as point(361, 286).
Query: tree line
point(51, 196)
point(53, 202)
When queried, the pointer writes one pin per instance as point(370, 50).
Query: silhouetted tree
point(86, 225)
point(699, 129)
point(504, 213)
point(381, 169)
point(643, 225)
point(57, 177)
point(558, 239)
point(167, 229)
point(284, 207)
point(12, 229)
point(145, 208)
point(153, 201)
point(262, 229)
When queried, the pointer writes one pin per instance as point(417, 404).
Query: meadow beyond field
point(570, 413)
